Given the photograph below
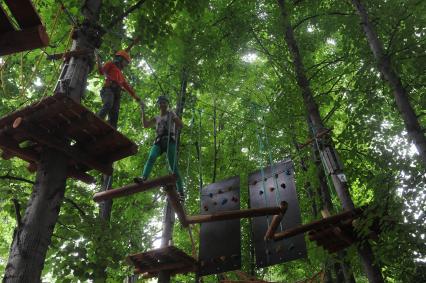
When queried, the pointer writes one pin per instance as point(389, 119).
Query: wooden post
point(276, 220)
point(176, 204)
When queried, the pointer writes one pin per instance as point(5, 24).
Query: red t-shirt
point(114, 74)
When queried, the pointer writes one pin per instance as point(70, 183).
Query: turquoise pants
point(156, 151)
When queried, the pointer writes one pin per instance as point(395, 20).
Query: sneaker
point(139, 180)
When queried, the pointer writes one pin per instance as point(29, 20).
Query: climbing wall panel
point(220, 241)
point(268, 187)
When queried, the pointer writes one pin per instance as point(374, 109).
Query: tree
point(32, 237)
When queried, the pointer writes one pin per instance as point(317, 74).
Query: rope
point(200, 164)
point(52, 79)
point(191, 131)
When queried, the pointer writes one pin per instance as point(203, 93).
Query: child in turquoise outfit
point(165, 125)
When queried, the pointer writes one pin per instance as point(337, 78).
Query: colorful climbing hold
point(224, 201)
point(282, 185)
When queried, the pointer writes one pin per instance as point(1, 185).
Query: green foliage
point(239, 76)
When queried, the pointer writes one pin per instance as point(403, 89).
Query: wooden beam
point(24, 13)
point(12, 147)
point(236, 214)
point(276, 220)
point(47, 139)
point(163, 266)
point(315, 224)
point(22, 40)
point(135, 188)
point(5, 23)
point(176, 204)
point(79, 175)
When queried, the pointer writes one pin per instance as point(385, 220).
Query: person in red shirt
point(114, 83)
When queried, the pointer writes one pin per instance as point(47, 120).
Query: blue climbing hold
point(224, 201)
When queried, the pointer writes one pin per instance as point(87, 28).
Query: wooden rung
point(22, 40)
point(135, 188)
point(276, 220)
point(235, 214)
point(316, 224)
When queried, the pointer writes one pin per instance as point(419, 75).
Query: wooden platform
point(30, 34)
point(60, 123)
point(333, 233)
point(334, 237)
point(169, 259)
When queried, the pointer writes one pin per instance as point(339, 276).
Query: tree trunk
point(343, 270)
point(400, 93)
point(167, 237)
point(31, 240)
point(371, 269)
point(169, 214)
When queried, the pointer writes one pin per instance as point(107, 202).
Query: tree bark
point(31, 241)
point(371, 269)
point(167, 237)
point(400, 93)
point(343, 270)
point(169, 214)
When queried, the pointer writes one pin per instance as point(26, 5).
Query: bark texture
point(371, 269)
point(32, 239)
point(400, 93)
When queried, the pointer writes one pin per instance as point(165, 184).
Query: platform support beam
point(307, 227)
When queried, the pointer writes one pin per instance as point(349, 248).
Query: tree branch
point(10, 177)
point(17, 212)
point(75, 205)
point(320, 15)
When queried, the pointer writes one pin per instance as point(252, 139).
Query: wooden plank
point(5, 23)
point(27, 39)
point(237, 214)
point(12, 147)
point(316, 224)
point(24, 13)
point(135, 188)
point(276, 220)
point(164, 266)
point(176, 204)
point(44, 138)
